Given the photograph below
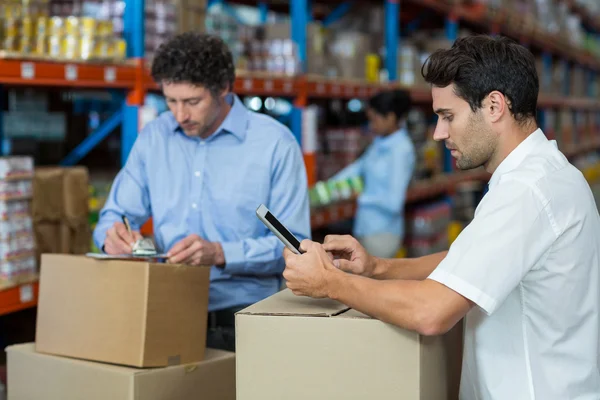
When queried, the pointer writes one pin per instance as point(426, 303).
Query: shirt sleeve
point(351, 171)
point(128, 195)
point(512, 231)
point(289, 203)
point(401, 167)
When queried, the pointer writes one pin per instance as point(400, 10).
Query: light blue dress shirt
point(386, 168)
point(212, 188)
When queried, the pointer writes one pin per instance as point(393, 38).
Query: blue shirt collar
point(383, 140)
point(236, 121)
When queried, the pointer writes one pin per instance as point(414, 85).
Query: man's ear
point(496, 106)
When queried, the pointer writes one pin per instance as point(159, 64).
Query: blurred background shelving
point(75, 86)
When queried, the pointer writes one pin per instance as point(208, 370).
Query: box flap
point(286, 303)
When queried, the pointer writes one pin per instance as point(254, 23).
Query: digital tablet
point(290, 241)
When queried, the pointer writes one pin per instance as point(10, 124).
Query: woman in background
point(386, 168)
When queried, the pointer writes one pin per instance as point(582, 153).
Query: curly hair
point(478, 65)
point(197, 58)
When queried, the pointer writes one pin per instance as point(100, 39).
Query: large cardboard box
point(59, 194)
point(36, 376)
point(75, 238)
point(123, 312)
point(48, 191)
point(76, 195)
point(298, 348)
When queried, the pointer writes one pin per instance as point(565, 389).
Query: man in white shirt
point(524, 273)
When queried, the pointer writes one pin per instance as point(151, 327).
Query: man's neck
point(508, 143)
point(224, 111)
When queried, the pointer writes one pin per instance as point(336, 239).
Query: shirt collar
point(235, 122)
point(390, 138)
point(514, 159)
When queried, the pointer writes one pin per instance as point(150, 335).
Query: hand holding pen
point(120, 238)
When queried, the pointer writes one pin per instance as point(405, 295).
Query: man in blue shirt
point(201, 170)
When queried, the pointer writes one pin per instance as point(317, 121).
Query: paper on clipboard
point(100, 256)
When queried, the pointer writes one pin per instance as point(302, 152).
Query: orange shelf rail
point(18, 298)
point(47, 73)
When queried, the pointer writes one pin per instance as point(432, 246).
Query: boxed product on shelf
point(17, 270)
point(144, 314)
point(278, 35)
point(16, 167)
point(60, 378)
point(428, 220)
point(61, 210)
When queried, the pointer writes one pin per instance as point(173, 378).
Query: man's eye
point(193, 102)
point(448, 118)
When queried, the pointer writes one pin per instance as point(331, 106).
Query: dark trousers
point(220, 330)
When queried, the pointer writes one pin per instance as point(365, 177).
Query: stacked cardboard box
point(17, 244)
point(130, 330)
point(61, 211)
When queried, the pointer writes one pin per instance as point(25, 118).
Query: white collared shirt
point(530, 261)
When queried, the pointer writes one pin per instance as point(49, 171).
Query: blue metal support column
point(134, 35)
point(392, 37)
point(338, 13)
point(93, 139)
point(299, 11)
point(263, 8)
point(299, 15)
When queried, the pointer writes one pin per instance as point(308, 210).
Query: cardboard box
point(59, 194)
point(75, 239)
point(123, 312)
point(76, 194)
point(48, 191)
point(33, 375)
point(47, 237)
point(290, 347)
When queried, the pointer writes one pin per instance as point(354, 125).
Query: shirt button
point(197, 173)
point(194, 205)
point(202, 142)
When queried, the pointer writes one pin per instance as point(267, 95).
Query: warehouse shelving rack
point(133, 78)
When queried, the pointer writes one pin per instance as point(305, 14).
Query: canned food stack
point(17, 244)
point(427, 229)
point(28, 29)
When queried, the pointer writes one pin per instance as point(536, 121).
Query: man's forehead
point(444, 98)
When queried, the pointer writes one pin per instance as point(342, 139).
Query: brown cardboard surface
point(48, 190)
point(75, 238)
point(33, 376)
point(47, 237)
point(76, 194)
point(286, 303)
point(123, 312)
point(345, 356)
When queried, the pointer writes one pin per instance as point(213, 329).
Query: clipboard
point(146, 257)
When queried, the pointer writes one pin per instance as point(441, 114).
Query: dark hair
point(391, 101)
point(478, 65)
point(197, 58)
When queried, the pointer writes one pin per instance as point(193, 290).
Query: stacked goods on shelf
point(427, 229)
point(429, 153)
point(339, 147)
point(165, 18)
point(68, 30)
point(17, 244)
point(61, 210)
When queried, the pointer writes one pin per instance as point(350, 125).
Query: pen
point(126, 222)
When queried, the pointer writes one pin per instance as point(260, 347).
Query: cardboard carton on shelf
point(34, 375)
point(60, 194)
point(132, 313)
point(290, 347)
